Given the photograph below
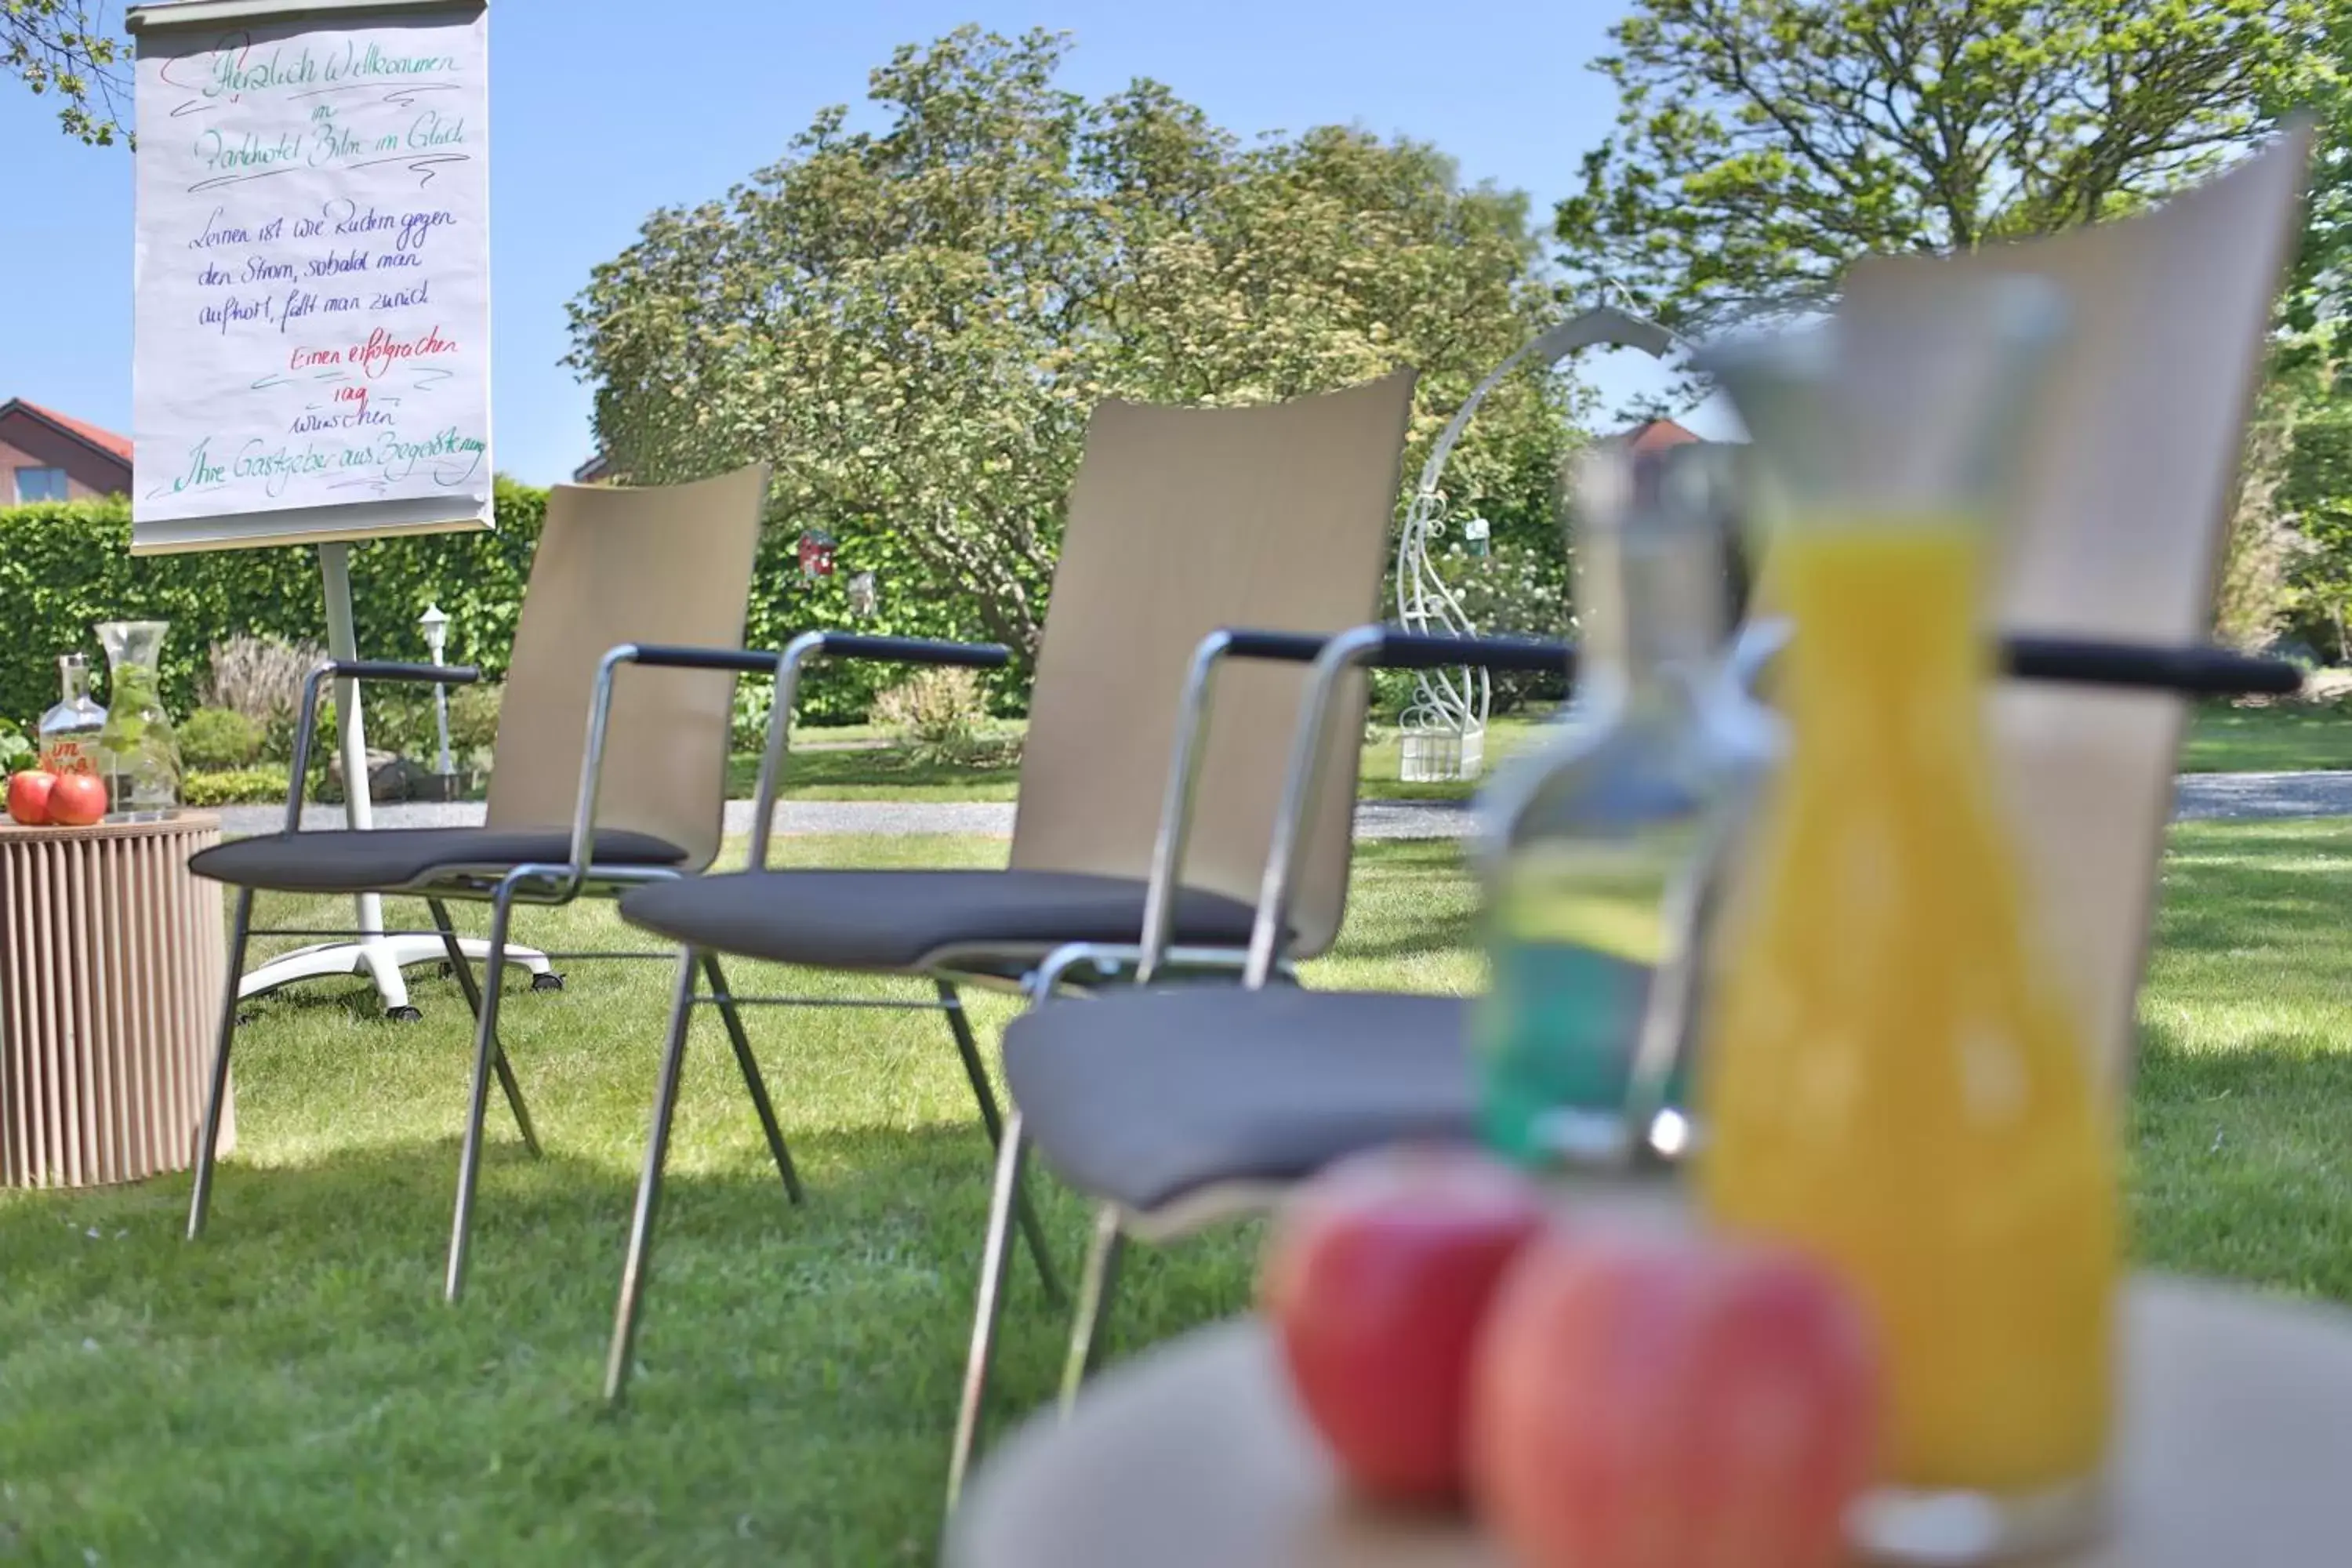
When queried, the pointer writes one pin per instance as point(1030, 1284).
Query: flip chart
point(313, 310)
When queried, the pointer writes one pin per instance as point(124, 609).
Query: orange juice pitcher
point(1891, 1076)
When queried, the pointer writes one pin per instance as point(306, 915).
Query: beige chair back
point(2117, 534)
point(621, 566)
point(1183, 521)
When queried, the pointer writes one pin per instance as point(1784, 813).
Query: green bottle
point(1599, 847)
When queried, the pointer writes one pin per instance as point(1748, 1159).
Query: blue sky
point(596, 124)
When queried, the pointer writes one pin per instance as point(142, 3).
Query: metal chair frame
point(1009, 967)
point(502, 886)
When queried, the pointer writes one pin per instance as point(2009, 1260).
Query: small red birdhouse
point(816, 554)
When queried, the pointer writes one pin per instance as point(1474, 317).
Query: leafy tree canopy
point(911, 323)
point(56, 47)
point(1763, 145)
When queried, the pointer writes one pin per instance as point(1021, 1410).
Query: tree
point(912, 322)
point(56, 45)
point(2267, 564)
point(2312, 492)
point(1763, 145)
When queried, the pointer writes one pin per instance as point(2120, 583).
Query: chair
point(596, 788)
point(1181, 521)
point(1175, 1107)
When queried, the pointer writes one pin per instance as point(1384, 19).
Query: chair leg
point(486, 1058)
point(466, 982)
point(750, 1067)
point(216, 1093)
point(641, 1223)
point(1095, 1287)
point(1011, 1152)
point(977, 1071)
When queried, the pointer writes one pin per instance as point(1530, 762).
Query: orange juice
point(1890, 1079)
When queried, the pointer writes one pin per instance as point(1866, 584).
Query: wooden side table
point(2236, 1425)
point(111, 958)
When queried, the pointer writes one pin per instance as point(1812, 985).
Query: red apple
point(1377, 1276)
point(1643, 1403)
point(77, 800)
point(28, 796)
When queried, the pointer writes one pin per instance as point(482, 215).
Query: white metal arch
point(1444, 726)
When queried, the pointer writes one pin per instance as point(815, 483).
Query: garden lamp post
point(435, 627)
point(1444, 726)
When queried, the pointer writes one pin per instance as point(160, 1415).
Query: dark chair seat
point(895, 920)
point(341, 861)
point(1144, 1097)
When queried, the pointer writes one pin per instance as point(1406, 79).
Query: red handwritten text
point(382, 352)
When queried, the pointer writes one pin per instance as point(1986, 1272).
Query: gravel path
point(2201, 797)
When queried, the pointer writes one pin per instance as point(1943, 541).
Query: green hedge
point(65, 566)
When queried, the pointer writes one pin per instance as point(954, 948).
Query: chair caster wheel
point(551, 980)
point(403, 1015)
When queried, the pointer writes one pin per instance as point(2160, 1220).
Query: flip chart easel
point(313, 318)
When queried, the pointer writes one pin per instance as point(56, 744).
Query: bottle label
point(67, 755)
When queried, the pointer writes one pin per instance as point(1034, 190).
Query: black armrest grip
point(917, 650)
point(1434, 650)
point(741, 661)
point(1277, 648)
point(2193, 671)
point(387, 669)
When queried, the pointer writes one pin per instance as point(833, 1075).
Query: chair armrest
point(1440, 650)
point(1184, 766)
point(2186, 671)
point(1395, 648)
point(841, 645)
point(2190, 671)
point(354, 670)
point(651, 656)
point(1378, 646)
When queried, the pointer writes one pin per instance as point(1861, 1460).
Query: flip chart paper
point(313, 274)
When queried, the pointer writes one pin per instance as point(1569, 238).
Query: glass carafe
point(1892, 1077)
point(138, 754)
point(1595, 844)
point(69, 732)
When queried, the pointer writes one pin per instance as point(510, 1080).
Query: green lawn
point(858, 761)
point(824, 767)
point(292, 1391)
point(2278, 738)
point(2284, 738)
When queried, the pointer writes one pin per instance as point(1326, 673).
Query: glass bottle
point(1595, 844)
point(69, 732)
point(138, 754)
point(1893, 1082)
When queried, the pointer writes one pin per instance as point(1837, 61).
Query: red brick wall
point(27, 443)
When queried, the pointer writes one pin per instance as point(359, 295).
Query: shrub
point(258, 677)
point(399, 718)
point(474, 717)
point(935, 713)
point(219, 738)
point(243, 786)
point(15, 750)
point(755, 704)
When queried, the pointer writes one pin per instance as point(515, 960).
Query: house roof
point(115, 447)
point(1655, 435)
